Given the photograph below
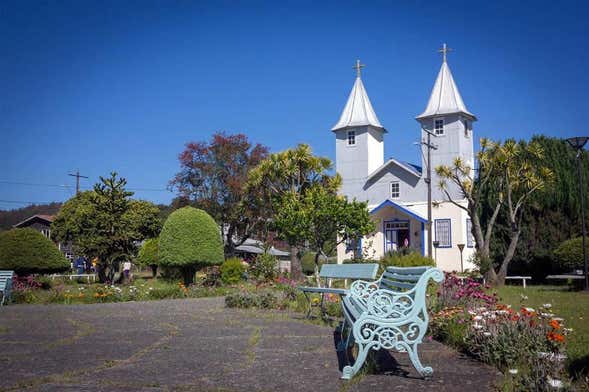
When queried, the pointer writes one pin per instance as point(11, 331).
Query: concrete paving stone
point(199, 345)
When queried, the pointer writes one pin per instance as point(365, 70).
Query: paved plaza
point(199, 345)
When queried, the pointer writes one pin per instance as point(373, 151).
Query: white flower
point(487, 333)
point(542, 354)
point(547, 306)
point(557, 384)
point(477, 318)
point(523, 297)
point(546, 314)
point(471, 313)
point(559, 319)
point(502, 312)
point(512, 371)
point(567, 330)
point(477, 326)
point(530, 309)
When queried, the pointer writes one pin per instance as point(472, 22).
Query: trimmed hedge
point(190, 237)
point(413, 259)
point(569, 254)
point(232, 270)
point(28, 251)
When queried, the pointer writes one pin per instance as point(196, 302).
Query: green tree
point(190, 239)
point(511, 173)
point(149, 254)
point(212, 178)
point(570, 254)
point(105, 223)
point(28, 251)
point(319, 215)
point(289, 172)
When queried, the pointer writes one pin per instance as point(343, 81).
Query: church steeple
point(358, 110)
point(445, 97)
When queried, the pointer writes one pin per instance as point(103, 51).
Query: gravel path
point(198, 345)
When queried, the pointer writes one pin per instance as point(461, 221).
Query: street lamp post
point(461, 248)
point(436, 244)
point(578, 143)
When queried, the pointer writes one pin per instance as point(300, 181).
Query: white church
point(396, 191)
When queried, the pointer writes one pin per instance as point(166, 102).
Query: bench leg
point(309, 300)
point(363, 349)
point(426, 371)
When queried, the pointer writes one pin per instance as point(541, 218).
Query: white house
point(396, 191)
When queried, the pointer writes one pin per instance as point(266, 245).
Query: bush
point(308, 263)
point(264, 267)
point(148, 254)
point(412, 259)
point(232, 270)
point(189, 239)
point(569, 254)
point(28, 251)
point(264, 299)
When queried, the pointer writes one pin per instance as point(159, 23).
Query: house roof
point(46, 218)
point(257, 247)
point(445, 97)
point(399, 207)
point(358, 110)
point(412, 169)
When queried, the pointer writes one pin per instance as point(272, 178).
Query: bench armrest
point(361, 289)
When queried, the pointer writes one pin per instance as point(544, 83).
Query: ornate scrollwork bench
point(389, 313)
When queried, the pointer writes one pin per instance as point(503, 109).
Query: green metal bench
point(5, 284)
point(389, 313)
point(339, 271)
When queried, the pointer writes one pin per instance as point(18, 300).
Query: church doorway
point(396, 235)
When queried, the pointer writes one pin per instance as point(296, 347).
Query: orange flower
point(554, 324)
point(555, 337)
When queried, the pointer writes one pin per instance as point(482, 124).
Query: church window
point(443, 233)
point(439, 126)
point(351, 138)
point(469, 236)
point(395, 190)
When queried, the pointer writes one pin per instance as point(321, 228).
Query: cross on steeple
point(358, 67)
point(445, 50)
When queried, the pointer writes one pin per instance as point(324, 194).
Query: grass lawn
point(572, 306)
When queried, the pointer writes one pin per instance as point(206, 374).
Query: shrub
point(263, 299)
point(569, 254)
point(232, 270)
point(148, 254)
point(212, 276)
point(411, 259)
point(28, 251)
point(189, 239)
point(264, 267)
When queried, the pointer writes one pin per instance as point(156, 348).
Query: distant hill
point(12, 217)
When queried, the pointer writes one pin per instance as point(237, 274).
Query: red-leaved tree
point(212, 177)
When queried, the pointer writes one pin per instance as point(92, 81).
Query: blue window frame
point(469, 236)
point(443, 232)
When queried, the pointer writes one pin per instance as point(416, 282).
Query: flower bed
point(527, 345)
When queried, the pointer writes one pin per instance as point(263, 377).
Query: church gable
point(394, 180)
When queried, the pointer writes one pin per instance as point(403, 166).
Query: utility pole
point(78, 176)
point(428, 181)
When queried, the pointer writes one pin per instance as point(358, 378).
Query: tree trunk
point(316, 272)
point(296, 270)
point(229, 245)
point(188, 275)
point(500, 280)
point(153, 270)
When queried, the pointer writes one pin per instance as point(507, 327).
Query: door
point(396, 235)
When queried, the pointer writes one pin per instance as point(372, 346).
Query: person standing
point(127, 271)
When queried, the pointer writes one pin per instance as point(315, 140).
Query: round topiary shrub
point(569, 254)
point(232, 270)
point(190, 239)
point(28, 251)
point(148, 254)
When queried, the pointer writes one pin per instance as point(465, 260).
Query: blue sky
point(123, 85)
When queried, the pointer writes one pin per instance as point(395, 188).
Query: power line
point(147, 189)
point(78, 176)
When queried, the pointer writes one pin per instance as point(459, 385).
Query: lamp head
point(436, 244)
point(577, 142)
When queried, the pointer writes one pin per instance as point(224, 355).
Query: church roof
point(358, 110)
point(411, 169)
point(445, 97)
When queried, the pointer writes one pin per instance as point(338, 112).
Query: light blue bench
point(5, 284)
point(338, 271)
point(389, 313)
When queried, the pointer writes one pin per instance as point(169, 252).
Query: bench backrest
point(349, 271)
point(5, 279)
point(401, 278)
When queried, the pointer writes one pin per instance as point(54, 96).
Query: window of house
point(439, 126)
point(69, 256)
point(443, 233)
point(46, 233)
point(395, 190)
point(353, 244)
point(351, 138)
point(469, 236)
